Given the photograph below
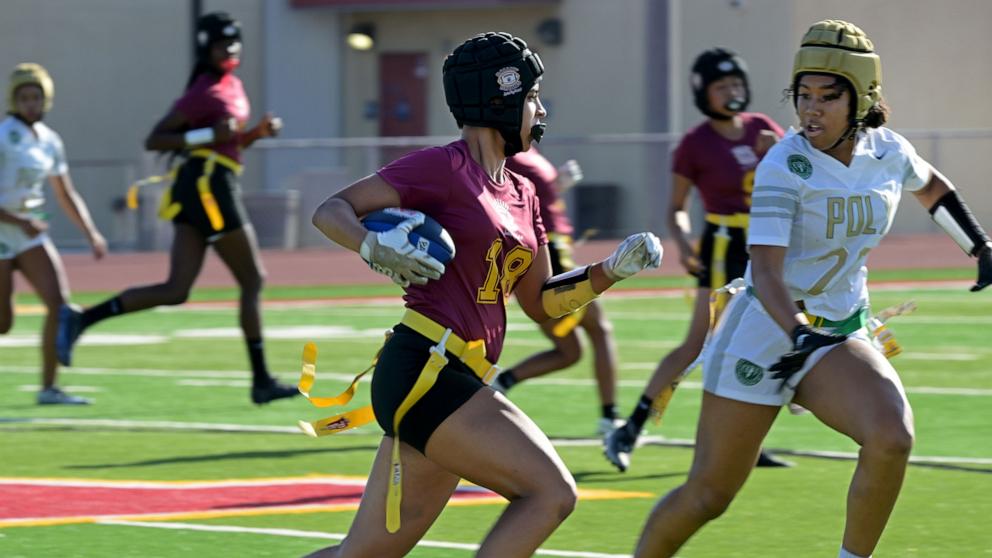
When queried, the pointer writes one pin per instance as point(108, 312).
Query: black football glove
point(984, 269)
point(805, 340)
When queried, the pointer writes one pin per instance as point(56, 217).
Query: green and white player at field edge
point(824, 196)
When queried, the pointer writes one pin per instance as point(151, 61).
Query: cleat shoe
point(766, 459)
point(618, 445)
point(70, 326)
point(607, 425)
point(271, 391)
point(55, 396)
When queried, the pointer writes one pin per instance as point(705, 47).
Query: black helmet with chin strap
point(213, 27)
point(486, 81)
point(713, 65)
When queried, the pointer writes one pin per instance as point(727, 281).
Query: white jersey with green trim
point(830, 215)
point(26, 160)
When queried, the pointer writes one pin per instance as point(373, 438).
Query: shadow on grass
point(606, 477)
point(229, 456)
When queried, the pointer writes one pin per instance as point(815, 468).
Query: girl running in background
point(207, 125)
point(30, 152)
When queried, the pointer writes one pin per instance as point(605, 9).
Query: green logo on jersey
point(748, 373)
point(800, 165)
point(15, 137)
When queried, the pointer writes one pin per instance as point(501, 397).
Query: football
point(429, 237)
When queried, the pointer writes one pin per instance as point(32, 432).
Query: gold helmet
point(840, 48)
point(30, 73)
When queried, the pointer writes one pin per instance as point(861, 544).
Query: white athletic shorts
point(746, 342)
point(13, 241)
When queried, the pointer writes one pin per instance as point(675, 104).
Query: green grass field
point(188, 366)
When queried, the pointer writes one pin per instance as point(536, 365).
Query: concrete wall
point(623, 67)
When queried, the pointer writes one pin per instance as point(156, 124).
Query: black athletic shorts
point(735, 258)
point(561, 252)
point(225, 189)
point(402, 359)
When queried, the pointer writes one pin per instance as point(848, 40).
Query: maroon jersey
point(722, 169)
point(211, 99)
point(536, 168)
point(496, 228)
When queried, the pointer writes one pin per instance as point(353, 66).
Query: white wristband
point(200, 136)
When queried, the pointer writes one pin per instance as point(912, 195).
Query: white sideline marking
point(75, 389)
point(334, 536)
point(348, 377)
point(215, 383)
point(104, 339)
point(558, 442)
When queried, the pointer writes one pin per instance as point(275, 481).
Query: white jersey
point(829, 216)
point(26, 160)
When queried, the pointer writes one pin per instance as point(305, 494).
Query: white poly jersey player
point(30, 153)
point(824, 196)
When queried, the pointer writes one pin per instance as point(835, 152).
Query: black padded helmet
point(712, 65)
point(213, 27)
point(486, 80)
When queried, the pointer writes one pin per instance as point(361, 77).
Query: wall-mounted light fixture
point(361, 36)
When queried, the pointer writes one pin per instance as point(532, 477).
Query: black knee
point(175, 295)
point(252, 286)
point(570, 349)
point(711, 502)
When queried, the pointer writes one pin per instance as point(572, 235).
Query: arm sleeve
point(774, 205)
point(423, 178)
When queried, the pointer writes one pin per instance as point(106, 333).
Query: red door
point(402, 98)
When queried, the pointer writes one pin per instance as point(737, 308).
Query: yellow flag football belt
point(167, 208)
point(471, 353)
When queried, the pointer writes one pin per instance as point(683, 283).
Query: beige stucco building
point(620, 68)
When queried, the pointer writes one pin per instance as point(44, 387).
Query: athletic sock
point(507, 380)
point(844, 553)
point(256, 354)
point(610, 411)
point(106, 309)
point(640, 414)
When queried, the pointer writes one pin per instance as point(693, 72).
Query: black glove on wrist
point(805, 340)
point(984, 269)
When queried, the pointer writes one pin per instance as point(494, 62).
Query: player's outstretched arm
point(543, 297)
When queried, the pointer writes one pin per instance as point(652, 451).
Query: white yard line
point(334, 536)
point(558, 442)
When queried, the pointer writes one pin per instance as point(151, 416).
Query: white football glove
point(569, 174)
point(637, 252)
point(391, 254)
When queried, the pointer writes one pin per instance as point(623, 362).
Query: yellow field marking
point(29, 309)
point(584, 494)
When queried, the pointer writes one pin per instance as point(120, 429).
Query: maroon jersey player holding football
point(457, 428)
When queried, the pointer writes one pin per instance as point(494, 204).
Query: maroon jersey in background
point(536, 168)
point(496, 228)
point(211, 99)
point(722, 169)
